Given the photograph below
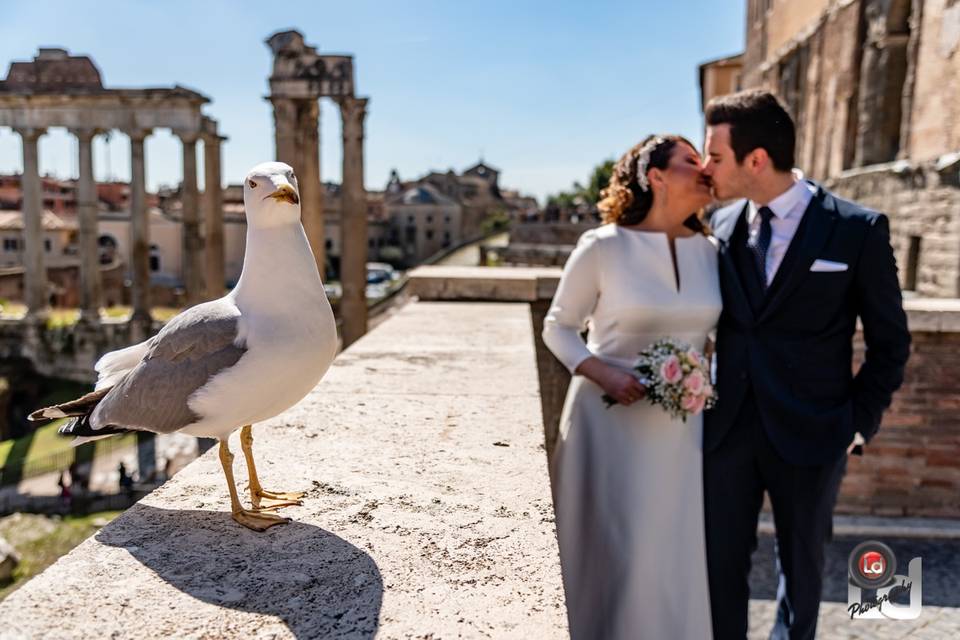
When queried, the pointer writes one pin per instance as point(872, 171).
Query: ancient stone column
point(285, 131)
point(88, 250)
point(139, 236)
point(308, 177)
point(35, 274)
point(213, 215)
point(192, 261)
point(353, 221)
point(297, 140)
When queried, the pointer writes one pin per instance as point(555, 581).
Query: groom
point(798, 266)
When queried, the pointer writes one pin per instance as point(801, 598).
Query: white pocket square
point(828, 265)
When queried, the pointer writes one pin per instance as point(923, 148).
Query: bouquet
point(676, 376)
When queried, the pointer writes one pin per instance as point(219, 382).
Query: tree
point(590, 194)
point(599, 180)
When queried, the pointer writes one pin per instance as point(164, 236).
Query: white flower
point(643, 162)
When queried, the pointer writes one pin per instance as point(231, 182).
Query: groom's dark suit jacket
point(792, 346)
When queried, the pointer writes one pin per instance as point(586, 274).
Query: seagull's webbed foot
point(250, 519)
point(258, 521)
point(262, 499)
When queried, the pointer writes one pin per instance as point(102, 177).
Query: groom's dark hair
point(757, 121)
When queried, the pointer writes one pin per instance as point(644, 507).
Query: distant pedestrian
point(126, 480)
point(66, 495)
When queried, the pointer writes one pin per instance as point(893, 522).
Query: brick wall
point(912, 466)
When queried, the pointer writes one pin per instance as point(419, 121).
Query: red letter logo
point(871, 565)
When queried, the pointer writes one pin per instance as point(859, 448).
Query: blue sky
point(543, 90)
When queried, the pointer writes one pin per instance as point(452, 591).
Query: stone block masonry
point(428, 511)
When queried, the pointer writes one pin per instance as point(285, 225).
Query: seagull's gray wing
point(191, 349)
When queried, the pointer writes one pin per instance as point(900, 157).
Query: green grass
point(41, 540)
point(45, 442)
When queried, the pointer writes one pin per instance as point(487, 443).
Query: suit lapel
point(811, 237)
point(724, 231)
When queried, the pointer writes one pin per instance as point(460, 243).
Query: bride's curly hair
point(624, 202)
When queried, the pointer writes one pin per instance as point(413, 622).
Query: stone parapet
point(427, 514)
point(518, 284)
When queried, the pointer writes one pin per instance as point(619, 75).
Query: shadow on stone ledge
point(317, 583)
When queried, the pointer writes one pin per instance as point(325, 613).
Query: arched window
point(107, 246)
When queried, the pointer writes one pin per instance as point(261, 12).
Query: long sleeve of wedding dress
point(573, 303)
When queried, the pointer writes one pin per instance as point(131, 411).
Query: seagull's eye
point(253, 185)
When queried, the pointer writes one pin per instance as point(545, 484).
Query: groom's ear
point(757, 160)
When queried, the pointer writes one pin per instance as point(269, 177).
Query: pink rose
point(707, 390)
point(698, 406)
point(692, 404)
point(693, 357)
point(694, 382)
point(670, 371)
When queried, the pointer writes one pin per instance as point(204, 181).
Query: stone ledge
point(515, 284)
point(428, 512)
point(531, 284)
point(935, 315)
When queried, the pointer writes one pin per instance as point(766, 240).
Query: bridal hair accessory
point(643, 162)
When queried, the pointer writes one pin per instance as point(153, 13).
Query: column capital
point(213, 138)
point(353, 106)
point(187, 137)
point(209, 133)
point(85, 134)
point(30, 133)
point(137, 133)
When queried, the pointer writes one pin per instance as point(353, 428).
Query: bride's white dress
point(627, 481)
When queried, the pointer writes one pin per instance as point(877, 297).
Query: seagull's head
point(271, 195)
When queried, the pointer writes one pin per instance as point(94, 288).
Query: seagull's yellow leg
point(260, 497)
point(249, 519)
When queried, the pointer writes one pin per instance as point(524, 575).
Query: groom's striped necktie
point(760, 243)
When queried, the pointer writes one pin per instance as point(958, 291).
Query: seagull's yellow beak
point(286, 193)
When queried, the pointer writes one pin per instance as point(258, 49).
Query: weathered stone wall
point(921, 202)
point(935, 122)
point(68, 352)
point(786, 19)
point(868, 81)
point(64, 284)
point(832, 134)
point(549, 232)
point(543, 244)
point(816, 73)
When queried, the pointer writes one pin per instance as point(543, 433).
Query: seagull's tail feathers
point(79, 407)
point(83, 431)
point(79, 411)
point(113, 366)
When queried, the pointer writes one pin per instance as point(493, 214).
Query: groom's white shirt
point(788, 210)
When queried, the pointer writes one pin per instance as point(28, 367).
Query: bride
point(628, 480)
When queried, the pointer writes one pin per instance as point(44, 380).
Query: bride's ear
point(655, 176)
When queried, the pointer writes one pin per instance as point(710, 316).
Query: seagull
point(226, 364)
